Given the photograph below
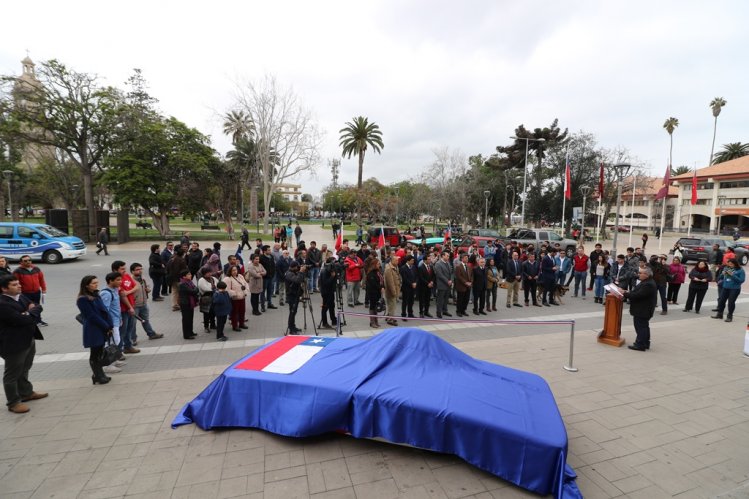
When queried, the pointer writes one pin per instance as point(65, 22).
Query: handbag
point(206, 302)
point(110, 353)
point(79, 318)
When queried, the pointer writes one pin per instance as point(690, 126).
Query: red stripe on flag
point(260, 360)
point(694, 188)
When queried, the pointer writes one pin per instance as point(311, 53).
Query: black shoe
point(729, 319)
point(686, 310)
point(235, 329)
point(223, 338)
point(448, 314)
point(714, 310)
point(189, 337)
point(439, 316)
point(717, 316)
point(427, 314)
point(482, 312)
point(272, 306)
point(255, 312)
point(546, 304)
point(636, 347)
point(517, 305)
point(556, 304)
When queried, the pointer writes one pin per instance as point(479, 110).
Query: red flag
point(567, 182)
point(448, 236)
point(600, 183)
point(339, 240)
point(663, 191)
point(381, 239)
point(694, 187)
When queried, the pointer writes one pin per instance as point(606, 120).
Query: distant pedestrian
point(245, 239)
point(297, 233)
point(102, 239)
point(644, 240)
point(156, 271)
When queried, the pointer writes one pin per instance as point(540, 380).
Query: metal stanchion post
point(571, 367)
point(339, 314)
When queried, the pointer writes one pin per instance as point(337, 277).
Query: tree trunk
point(712, 148)
point(88, 191)
point(361, 168)
point(253, 203)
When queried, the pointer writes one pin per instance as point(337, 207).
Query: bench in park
point(143, 225)
point(210, 227)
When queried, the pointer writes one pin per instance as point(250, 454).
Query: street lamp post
point(585, 190)
point(619, 169)
point(525, 174)
point(486, 209)
point(8, 174)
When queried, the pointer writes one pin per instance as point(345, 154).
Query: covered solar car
point(405, 386)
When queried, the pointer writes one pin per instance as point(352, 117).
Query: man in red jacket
point(354, 266)
point(32, 282)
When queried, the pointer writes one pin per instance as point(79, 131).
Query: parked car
point(466, 242)
point(393, 237)
point(485, 233)
point(39, 241)
point(698, 248)
point(537, 236)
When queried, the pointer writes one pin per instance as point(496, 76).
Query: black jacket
point(269, 264)
point(425, 276)
point(18, 326)
point(479, 279)
point(510, 271)
point(156, 265)
point(642, 299)
point(408, 276)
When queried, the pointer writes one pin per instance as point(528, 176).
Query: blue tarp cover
point(406, 386)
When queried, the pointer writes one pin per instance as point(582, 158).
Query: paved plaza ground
point(670, 422)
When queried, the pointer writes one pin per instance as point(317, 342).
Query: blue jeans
point(580, 277)
point(728, 295)
point(144, 314)
point(267, 293)
point(127, 330)
point(662, 292)
point(314, 274)
point(600, 281)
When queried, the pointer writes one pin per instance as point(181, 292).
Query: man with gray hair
point(642, 300)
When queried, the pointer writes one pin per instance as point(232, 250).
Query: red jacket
point(581, 263)
point(354, 268)
point(32, 280)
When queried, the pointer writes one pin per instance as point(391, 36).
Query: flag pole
point(663, 219)
point(632, 211)
point(564, 185)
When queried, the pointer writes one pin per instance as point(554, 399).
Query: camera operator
point(294, 280)
point(328, 282)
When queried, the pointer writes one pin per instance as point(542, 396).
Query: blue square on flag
point(318, 341)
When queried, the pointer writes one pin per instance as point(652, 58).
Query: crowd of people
point(394, 283)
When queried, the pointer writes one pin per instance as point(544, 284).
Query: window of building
point(734, 184)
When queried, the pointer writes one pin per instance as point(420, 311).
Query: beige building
point(722, 197)
point(642, 209)
point(290, 192)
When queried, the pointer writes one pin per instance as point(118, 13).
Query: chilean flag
point(694, 187)
point(339, 240)
point(600, 183)
point(381, 239)
point(448, 236)
point(567, 182)
point(286, 355)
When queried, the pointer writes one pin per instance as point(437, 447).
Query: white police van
point(39, 241)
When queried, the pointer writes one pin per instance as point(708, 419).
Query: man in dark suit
point(425, 285)
point(479, 287)
point(513, 275)
point(462, 285)
point(549, 276)
point(19, 317)
point(408, 287)
point(642, 300)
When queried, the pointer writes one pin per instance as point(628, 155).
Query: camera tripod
point(305, 302)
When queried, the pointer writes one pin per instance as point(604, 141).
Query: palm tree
point(680, 170)
point(731, 151)
point(670, 125)
point(716, 104)
point(356, 137)
point(238, 125)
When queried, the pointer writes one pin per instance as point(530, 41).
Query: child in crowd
point(221, 308)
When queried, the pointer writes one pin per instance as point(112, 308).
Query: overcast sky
point(430, 73)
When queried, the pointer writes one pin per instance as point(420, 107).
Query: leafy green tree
point(356, 137)
point(731, 151)
point(65, 110)
point(670, 125)
point(716, 105)
point(165, 166)
point(680, 170)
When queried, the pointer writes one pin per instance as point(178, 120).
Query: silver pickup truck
point(538, 236)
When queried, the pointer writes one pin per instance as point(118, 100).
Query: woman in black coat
point(156, 271)
point(188, 300)
point(375, 287)
point(699, 278)
point(97, 326)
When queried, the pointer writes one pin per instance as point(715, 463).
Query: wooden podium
point(612, 322)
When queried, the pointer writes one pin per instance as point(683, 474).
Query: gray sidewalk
point(671, 422)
